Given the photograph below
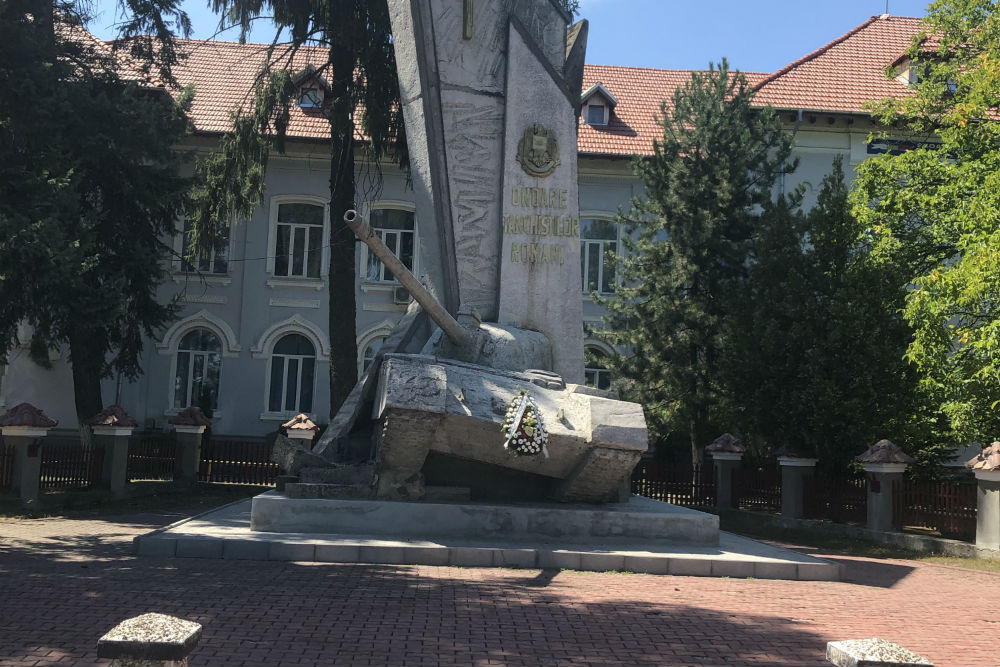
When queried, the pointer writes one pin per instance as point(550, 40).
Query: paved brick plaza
point(63, 582)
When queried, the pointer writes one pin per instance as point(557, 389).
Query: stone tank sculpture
point(478, 392)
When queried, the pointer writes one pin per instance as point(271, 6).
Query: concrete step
point(343, 474)
point(302, 491)
point(328, 510)
point(225, 533)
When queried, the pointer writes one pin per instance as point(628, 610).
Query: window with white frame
point(597, 114)
point(215, 261)
point(598, 245)
point(396, 228)
point(293, 371)
point(370, 350)
point(298, 249)
point(310, 97)
point(197, 371)
point(595, 373)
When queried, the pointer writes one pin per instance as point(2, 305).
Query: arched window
point(596, 374)
point(197, 371)
point(370, 350)
point(598, 242)
point(293, 369)
point(396, 229)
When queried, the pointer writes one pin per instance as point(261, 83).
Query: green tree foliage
point(685, 267)
point(364, 95)
point(937, 212)
point(816, 364)
point(89, 187)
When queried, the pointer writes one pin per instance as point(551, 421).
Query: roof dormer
point(311, 88)
point(597, 103)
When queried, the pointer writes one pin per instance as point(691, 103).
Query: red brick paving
point(63, 582)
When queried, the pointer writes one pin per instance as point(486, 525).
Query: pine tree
point(684, 270)
point(89, 187)
point(816, 365)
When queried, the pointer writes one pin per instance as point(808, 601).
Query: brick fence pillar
point(796, 472)
point(113, 428)
point(727, 452)
point(190, 425)
point(24, 427)
point(884, 464)
point(986, 467)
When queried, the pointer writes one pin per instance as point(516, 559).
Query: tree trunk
point(87, 362)
point(343, 306)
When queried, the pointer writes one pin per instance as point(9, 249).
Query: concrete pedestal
point(726, 464)
point(795, 474)
point(27, 443)
point(188, 452)
point(881, 478)
point(114, 471)
point(988, 510)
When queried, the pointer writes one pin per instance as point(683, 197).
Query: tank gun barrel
point(455, 331)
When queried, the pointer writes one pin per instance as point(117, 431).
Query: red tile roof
point(847, 72)
point(841, 76)
point(223, 73)
point(640, 92)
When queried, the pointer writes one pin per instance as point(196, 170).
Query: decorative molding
point(294, 324)
point(384, 308)
point(211, 280)
point(383, 328)
point(293, 283)
point(284, 416)
point(201, 319)
point(204, 298)
point(383, 287)
point(600, 345)
point(293, 303)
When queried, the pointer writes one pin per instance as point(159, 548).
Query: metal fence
point(686, 485)
point(948, 508)
point(840, 499)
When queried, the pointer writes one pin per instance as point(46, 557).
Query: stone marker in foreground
point(873, 653)
point(150, 640)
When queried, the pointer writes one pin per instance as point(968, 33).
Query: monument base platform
point(224, 533)
point(637, 520)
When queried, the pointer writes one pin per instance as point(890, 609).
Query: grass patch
point(746, 524)
point(142, 497)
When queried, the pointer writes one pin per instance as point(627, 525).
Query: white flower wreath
point(522, 425)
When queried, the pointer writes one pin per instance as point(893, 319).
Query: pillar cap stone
point(987, 460)
point(190, 417)
point(726, 443)
point(300, 422)
point(884, 451)
point(150, 637)
point(26, 414)
point(113, 416)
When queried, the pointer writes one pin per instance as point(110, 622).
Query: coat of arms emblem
point(538, 151)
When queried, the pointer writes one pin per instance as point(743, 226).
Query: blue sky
point(755, 35)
